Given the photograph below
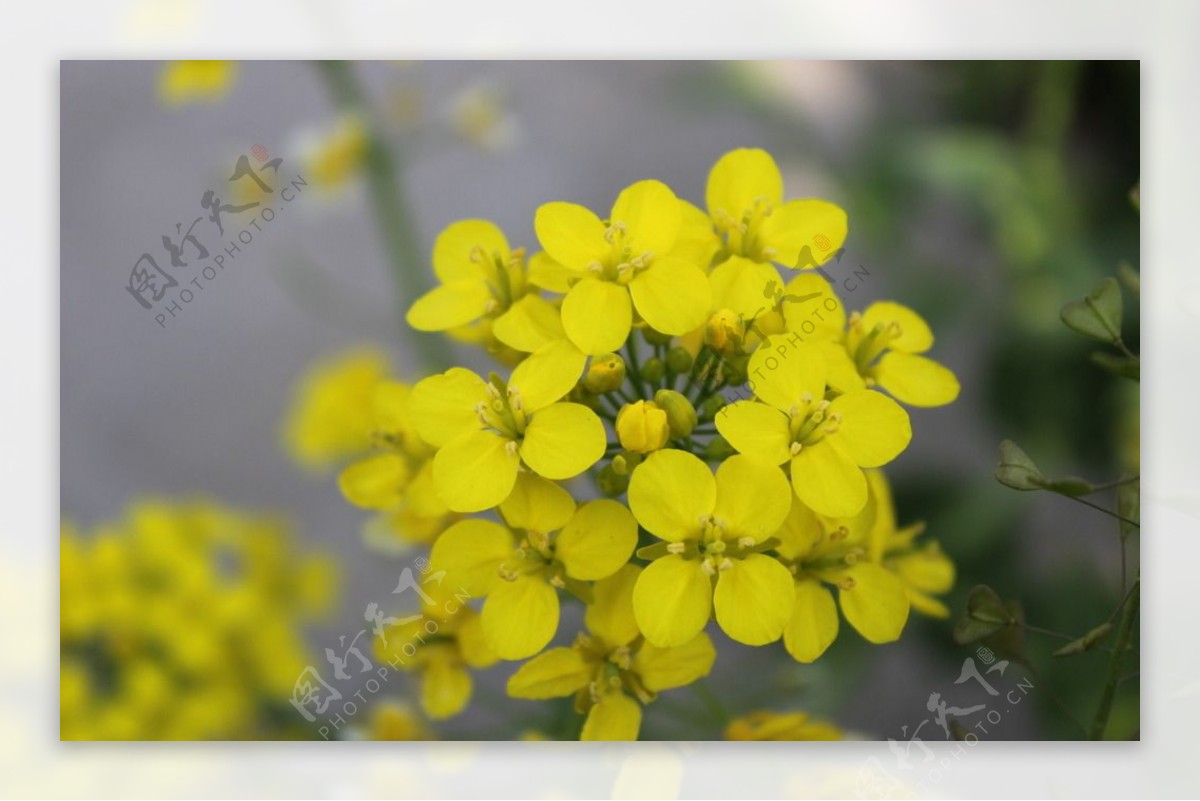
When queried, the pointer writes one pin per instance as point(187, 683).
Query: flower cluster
point(183, 622)
point(731, 413)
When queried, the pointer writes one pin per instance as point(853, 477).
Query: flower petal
point(817, 224)
point(528, 324)
point(756, 429)
point(874, 429)
point(471, 552)
point(746, 287)
point(377, 482)
point(753, 497)
point(537, 505)
point(738, 179)
point(828, 481)
point(475, 472)
point(597, 316)
point(651, 215)
point(547, 375)
point(876, 604)
point(672, 295)
point(672, 600)
point(812, 308)
point(610, 614)
point(915, 336)
point(597, 540)
point(472, 642)
point(546, 273)
point(814, 623)
point(443, 405)
point(800, 532)
point(572, 235)
point(459, 247)
point(449, 306)
point(669, 492)
point(445, 688)
point(784, 373)
point(563, 440)
point(615, 716)
point(841, 373)
point(554, 674)
point(754, 598)
point(520, 617)
point(665, 668)
point(916, 380)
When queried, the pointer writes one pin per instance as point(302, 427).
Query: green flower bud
point(712, 407)
point(681, 415)
point(654, 369)
point(679, 361)
point(656, 337)
point(718, 448)
point(610, 482)
point(606, 373)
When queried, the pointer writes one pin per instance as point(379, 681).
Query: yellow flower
point(624, 263)
point(485, 430)
point(642, 427)
point(745, 201)
point(878, 348)
point(440, 644)
point(923, 569)
point(331, 415)
point(335, 157)
point(715, 531)
point(826, 443)
point(520, 567)
point(185, 81)
point(395, 720)
point(767, 725)
point(822, 550)
point(482, 277)
point(611, 666)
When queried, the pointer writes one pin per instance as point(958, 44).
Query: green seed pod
point(681, 415)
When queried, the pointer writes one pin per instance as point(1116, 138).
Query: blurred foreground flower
point(183, 621)
point(188, 81)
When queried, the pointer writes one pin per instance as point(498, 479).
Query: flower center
point(743, 235)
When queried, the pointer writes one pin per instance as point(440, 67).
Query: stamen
point(676, 547)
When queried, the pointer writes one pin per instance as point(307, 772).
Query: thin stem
point(1117, 483)
point(1124, 635)
point(635, 370)
point(1099, 508)
point(392, 215)
point(1048, 632)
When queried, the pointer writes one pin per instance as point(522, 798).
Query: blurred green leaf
point(1098, 314)
point(1087, 642)
point(1017, 470)
point(1129, 278)
point(1070, 485)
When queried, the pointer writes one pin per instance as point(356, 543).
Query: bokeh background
point(983, 194)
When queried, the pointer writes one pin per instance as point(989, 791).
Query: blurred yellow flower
point(780, 726)
point(331, 415)
point(183, 82)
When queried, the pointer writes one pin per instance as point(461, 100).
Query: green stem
point(1099, 508)
point(392, 215)
point(635, 370)
point(1124, 635)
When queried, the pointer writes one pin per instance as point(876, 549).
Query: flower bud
point(718, 448)
point(724, 331)
point(681, 415)
point(712, 407)
point(654, 369)
point(679, 361)
point(606, 373)
point(642, 427)
point(610, 482)
point(656, 337)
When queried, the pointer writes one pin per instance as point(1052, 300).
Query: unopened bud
point(718, 448)
point(606, 373)
point(654, 369)
point(610, 482)
point(679, 361)
point(642, 427)
point(681, 415)
point(656, 337)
